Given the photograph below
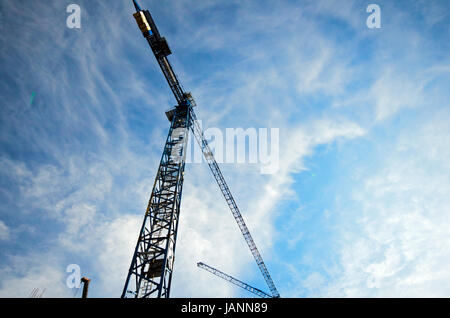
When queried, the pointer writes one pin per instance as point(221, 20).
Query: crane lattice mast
point(151, 268)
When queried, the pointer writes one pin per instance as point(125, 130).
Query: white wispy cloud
point(4, 231)
point(399, 243)
point(40, 270)
point(99, 167)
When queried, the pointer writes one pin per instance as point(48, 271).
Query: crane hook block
point(142, 22)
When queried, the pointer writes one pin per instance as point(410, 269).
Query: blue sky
point(358, 208)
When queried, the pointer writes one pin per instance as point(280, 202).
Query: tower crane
point(151, 269)
point(233, 280)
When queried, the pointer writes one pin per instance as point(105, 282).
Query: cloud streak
point(82, 157)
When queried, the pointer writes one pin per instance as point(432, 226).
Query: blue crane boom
point(209, 157)
point(233, 280)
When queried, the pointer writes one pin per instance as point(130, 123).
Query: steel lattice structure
point(198, 133)
point(233, 280)
point(151, 268)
